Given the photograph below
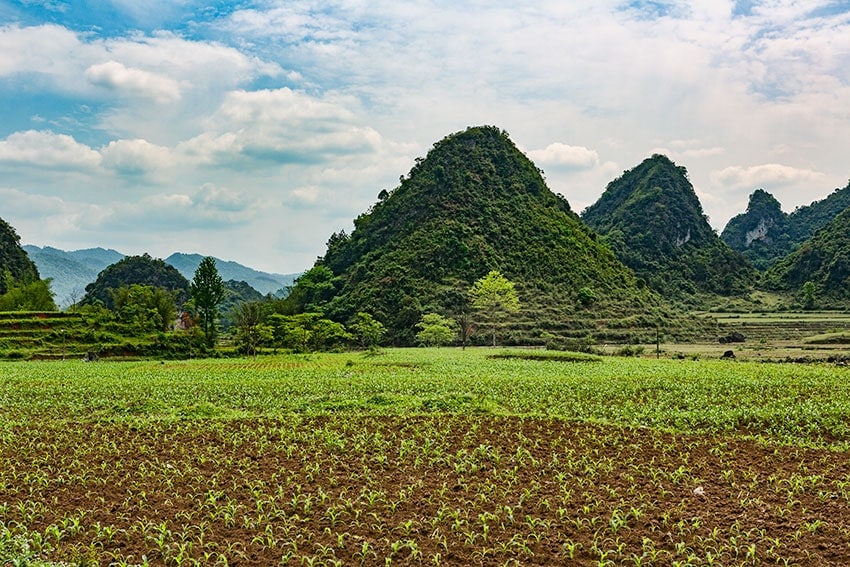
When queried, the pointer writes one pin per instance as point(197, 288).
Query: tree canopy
point(495, 297)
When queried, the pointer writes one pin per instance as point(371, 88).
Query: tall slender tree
point(208, 293)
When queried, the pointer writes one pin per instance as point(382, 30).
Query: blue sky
point(253, 130)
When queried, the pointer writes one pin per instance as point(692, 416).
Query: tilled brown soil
point(442, 490)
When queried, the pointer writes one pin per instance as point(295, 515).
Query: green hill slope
point(653, 221)
point(823, 260)
point(475, 204)
point(142, 270)
point(764, 233)
point(14, 259)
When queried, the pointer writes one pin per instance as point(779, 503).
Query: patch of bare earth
point(446, 490)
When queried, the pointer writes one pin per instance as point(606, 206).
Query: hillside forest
point(471, 247)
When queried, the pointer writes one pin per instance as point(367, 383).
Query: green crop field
point(424, 456)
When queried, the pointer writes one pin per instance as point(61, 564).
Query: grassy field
point(437, 456)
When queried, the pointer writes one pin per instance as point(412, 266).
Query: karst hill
point(476, 203)
point(652, 219)
point(765, 234)
point(13, 259)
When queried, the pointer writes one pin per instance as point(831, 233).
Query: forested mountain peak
point(142, 270)
point(474, 204)
point(764, 233)
point(653, 221)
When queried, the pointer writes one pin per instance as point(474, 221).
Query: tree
point(367, 330)
point(144, 308)
point(26, 296)
point(307, 332)
point(494, 296)
point(251, 332)
point(586, 296)
point(208, 292)
point(808, 294)
point(436, 330)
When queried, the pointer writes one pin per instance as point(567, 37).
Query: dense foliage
point(236, 293)
point(653, 221)
point(144, 309)
point(820, 268)
point(142, 270)
point(13, 259)
point(22, 296)
point(764, 233)
point(474, 204)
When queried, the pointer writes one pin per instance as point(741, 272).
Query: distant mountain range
point(71, 271)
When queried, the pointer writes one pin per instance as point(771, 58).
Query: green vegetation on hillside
point(761, 233)
point(820, 266)
point(13, 259)
point(21, 287)
point(142, 270)
point(764, 233)
point(473, 205)
point(653, 221)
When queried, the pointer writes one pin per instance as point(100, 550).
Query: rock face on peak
point(474, 204)
point(653, 221)
point(764, 233)
point(14, 259)
point(761, 233)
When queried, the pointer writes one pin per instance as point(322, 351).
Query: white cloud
point(767, 175)
point(210, 207)
point(312, 108)
point(285, 126)
point(135, 156)
point(30, 206)
point(41, 49)
point(563, 155)
point(133, 82)
point(44, 149)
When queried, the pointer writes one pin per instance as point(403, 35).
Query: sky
point(253, 130)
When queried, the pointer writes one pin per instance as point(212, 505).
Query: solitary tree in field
point(435, 330)
point(367, 330)
point(208, 293)
point(494, 296)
